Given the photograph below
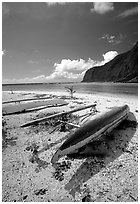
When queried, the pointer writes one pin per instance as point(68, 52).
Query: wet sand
point(109, 174)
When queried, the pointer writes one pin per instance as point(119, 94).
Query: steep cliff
point(123, 68)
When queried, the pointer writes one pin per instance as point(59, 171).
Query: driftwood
point(33, 109)
point(18, 108)
point(28, 99)
point(57, 115)
point(71, 124)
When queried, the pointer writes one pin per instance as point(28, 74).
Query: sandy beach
point(109, 175)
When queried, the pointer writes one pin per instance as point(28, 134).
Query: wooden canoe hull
point(93, 129)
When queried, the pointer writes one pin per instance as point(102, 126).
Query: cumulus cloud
point(73, 65)
point(69, 70)
point(74, 70)
point(102, 7)
point(109, 56)
point(128, 12)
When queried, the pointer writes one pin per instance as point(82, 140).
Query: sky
point(59, 41)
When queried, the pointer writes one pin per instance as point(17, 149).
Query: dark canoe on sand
point(92, 130)
point(23, 107)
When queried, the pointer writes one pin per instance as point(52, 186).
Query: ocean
point(91, 88)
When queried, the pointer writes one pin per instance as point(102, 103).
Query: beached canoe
point(23, 107)
point(92, 130)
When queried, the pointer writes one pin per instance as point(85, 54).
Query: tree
point(70, 90)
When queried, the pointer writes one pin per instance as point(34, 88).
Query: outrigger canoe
point(92, 130)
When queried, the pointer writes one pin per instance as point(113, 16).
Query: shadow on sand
point(7, 141)
point(99, 154)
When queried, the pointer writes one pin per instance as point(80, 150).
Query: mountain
point(123, 68)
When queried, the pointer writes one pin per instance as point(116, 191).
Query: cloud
point(73, 65)
point(114, 39)
point(119, 39)
point(4, 52)
point(55, 3)
point(68, 70)
point(102, 7)
point(109, 38)
point(74, 70)
point(128, 12)
point(109, 56)
point(71, 70)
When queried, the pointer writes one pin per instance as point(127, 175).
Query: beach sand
point(110, 174)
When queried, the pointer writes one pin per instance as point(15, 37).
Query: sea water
point(90, 88)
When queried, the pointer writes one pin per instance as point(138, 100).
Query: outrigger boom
point(57, 115)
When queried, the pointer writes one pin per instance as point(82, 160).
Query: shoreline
point(86, 88)
point(59, 93)
point(31, 178)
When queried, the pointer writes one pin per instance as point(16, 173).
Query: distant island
point(123, 68)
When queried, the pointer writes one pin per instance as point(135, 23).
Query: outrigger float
point(92, 129)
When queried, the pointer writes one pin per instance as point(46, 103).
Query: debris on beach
point(41, 191)
point(87, 198)
point(31, 106)
point(29, 176)
point(60, 168)
point(91, 130)
point(61, 114)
